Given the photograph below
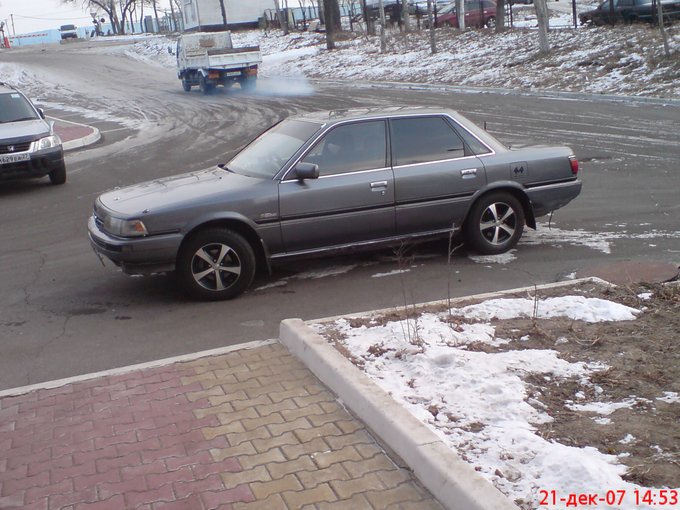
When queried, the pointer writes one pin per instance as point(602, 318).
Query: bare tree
point(283, 24)
point(405, 16)
point(543, 25)
point(430, 19)
point(500, 16)
point(664, 35)
point(383, 42)
point(460, 12)
point(329, 23)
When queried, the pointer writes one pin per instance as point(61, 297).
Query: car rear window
point(423, 139)
point(14, 107)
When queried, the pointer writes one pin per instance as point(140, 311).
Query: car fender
point(515, 188)
point(238, 222)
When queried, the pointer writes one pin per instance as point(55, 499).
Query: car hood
point(175, 192)
point(24, 130)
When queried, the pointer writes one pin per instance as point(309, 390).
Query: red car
point(478, 13)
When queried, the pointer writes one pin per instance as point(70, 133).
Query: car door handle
point(378, 185)
point(468, 173)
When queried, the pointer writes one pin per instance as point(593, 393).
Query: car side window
point(350, 148)
point(423, 139)
point(475, 146)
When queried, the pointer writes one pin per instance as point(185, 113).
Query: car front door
point(435, 173)
point(352, 200)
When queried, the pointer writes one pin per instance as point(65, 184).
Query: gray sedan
point(329, 181)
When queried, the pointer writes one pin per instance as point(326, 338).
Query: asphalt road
point(63, 314)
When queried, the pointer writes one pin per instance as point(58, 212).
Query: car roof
point(6, 88)
point(334, 116)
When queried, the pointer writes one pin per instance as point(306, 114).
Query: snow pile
point(477, 402)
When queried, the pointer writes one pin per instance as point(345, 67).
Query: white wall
point(208, 12)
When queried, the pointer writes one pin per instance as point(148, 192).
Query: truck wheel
point(216, 264)
point(204, 85)
point(495, 223)
point(186, 85)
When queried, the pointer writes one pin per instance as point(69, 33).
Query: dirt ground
point(643, 363)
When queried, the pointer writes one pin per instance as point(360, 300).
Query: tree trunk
point(383, 41)
point(406, 19)
point(543, 22)
point(430, 18)
point(664, 35)
point(155, 15)
point(330, 24)
point(500, 16)
point(460, 11)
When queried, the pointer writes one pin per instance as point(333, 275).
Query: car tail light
point(574, 164)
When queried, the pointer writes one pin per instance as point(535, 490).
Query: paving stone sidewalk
point(250, 429)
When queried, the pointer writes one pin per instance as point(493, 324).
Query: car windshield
point(267, 154)
point(15, 107)
point(447, 9)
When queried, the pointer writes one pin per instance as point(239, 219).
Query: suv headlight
point(47, 142)
point(125, 228)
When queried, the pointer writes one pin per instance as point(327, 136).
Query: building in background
point(207, 14)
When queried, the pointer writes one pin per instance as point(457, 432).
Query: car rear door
point(352, 200)
point(435, 174)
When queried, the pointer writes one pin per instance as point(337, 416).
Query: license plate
point(233, 73)
point(13, 158)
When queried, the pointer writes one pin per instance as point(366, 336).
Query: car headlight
point(125, 228)
point(47, 142)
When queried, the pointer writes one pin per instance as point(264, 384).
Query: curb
point(452, 481)
point(78, 143)
point(21, 390)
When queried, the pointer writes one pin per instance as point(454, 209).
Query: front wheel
point(216, 264)
point(491, 22)
point(495, 223)
point(58, 175)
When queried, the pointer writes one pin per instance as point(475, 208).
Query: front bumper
point(40, 164)
point(138, 255)
point(549, 197)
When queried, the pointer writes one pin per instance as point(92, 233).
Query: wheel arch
point(235, 223)
point(514, 189)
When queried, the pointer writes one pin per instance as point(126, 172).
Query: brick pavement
point(251, 429)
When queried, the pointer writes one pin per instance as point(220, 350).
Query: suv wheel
point(216, 264)
point(58, 175)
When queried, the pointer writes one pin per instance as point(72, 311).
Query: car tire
point(58, 175)
point(491, 22)
point(495, 223)
point(186, 85)
point(216, 264)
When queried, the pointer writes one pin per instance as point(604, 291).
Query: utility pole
point(383, 42)
point(14, 32)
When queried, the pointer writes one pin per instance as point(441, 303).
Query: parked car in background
point(630, 11)
point(28, 145)
point(68, 32)
point(478, 13)
point(332, 181)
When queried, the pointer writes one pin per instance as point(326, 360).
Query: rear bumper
point(141, 255)
point(40, 164)
point(549, 197)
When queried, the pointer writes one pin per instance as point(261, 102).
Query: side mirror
point(41, 112)
point(306, 171)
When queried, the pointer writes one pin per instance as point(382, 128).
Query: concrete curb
point(451, 480)
point(21, 390)
point(78, 143)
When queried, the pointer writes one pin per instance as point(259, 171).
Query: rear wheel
point(216, 264)
point(58, 175)
point(491, 22)
point(495, 223)
point(186, 85)
point(204, 85)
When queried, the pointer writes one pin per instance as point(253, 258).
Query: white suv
point(28, 145)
